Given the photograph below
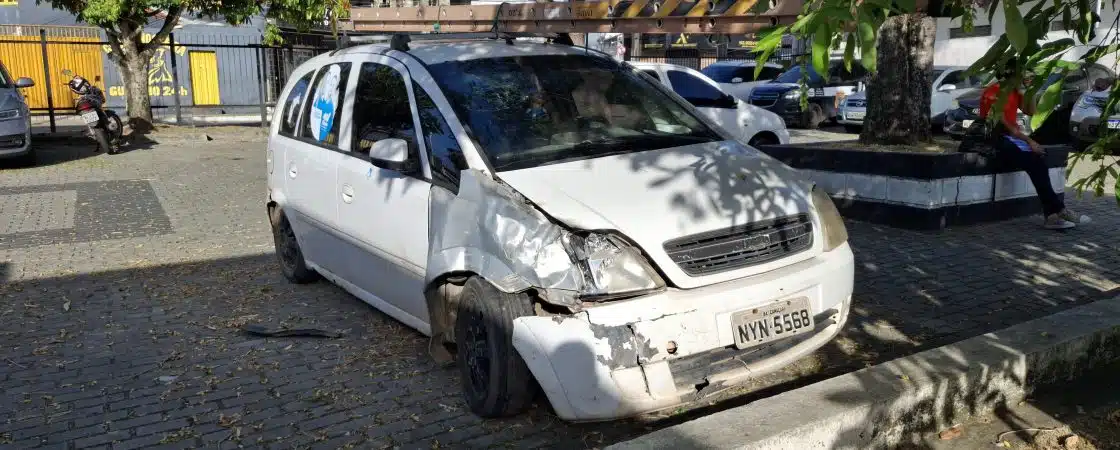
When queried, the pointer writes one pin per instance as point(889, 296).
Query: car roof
point(744, 64)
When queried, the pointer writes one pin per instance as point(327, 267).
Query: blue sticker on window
point(325, 104)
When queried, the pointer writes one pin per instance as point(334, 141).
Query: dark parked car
point(1056, 129)
point(782, 95)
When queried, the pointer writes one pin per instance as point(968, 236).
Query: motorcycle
point(103, 124)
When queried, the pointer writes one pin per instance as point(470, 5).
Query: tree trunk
point(899, 93)
point(133, 66)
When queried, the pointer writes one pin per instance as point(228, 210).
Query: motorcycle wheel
point(102, 139)
point(115, 128)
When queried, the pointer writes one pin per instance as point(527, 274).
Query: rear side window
point(768, 73)
point(381, 108)
point(322, 120)
point(445, 155)
point(292, 105)
point(695, 90)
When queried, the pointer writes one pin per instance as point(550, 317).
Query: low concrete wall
point(921, 190)
point(899, 401)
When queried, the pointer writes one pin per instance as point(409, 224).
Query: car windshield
point(528, 111)
point(936, 73)
point(725, 73)
point(793, 75)
point(5, 80)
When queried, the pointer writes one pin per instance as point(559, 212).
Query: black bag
point(981, 137)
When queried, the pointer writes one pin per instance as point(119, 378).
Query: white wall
point(965, 51)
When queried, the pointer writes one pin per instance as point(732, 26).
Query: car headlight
point(835, 233)
point(794, 94)
point(10, 114)
point(611, 267)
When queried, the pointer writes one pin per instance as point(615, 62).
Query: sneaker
point(1073, 217)
point(1057, 222)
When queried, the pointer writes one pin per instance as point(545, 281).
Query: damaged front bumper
point(630, 357)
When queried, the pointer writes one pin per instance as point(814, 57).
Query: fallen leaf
point(950, 434)
point(1004, 444)
point(66, 306)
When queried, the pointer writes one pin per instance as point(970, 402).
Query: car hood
point(658, 195)
point(970, 98)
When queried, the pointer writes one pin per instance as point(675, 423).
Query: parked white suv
point(546, 213)
point(749, 123)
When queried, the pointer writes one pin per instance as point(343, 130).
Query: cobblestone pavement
point(123, 281)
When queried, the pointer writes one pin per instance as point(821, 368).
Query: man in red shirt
point(1013, 145)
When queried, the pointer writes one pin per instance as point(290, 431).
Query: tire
point(763, 139)
point(116, 128)
point(496, 382)
point(292, 264)
point(102, 140)
point(853, 128)
point(813, 116)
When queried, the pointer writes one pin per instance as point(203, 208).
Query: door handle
point(292, 170)
point(347, 193)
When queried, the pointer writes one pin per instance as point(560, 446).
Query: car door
point(382, 211)
point(706, 96)
point(310, 145)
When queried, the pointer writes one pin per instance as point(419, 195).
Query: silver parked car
point(948, 84)
point(15, 118)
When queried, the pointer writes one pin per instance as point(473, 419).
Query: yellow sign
point(9, 3)
point(158, 72)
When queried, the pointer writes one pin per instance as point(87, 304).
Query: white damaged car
point(552, 218)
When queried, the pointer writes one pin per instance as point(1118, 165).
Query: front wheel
point(114, 125)
point(292, 264)
point(496, 382)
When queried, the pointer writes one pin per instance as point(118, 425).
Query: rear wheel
point(115, 127)
point(102, 139)
point(496, 382)
point(292, 264)
point(763, 139)
point(813, 116)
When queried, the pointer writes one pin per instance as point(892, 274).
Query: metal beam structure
point(608, 16)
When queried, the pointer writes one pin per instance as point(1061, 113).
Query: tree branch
point(115, 44)
point(168, 25)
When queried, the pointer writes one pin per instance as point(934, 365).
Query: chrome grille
point(764, 98)
point(857, 103)
point(741, 245)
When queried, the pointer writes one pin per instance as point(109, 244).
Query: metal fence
point(195, 77)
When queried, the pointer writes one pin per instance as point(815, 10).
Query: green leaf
point(849, 52)
point(906, 5)
point(867, 55)
point(1050, 49)
point(991, 56)
point(1085, 20)
point(1046, 105)
point(992, 10)
point(804, 21)
point(821, 43)
point(1016, 29)
point(1067, 19)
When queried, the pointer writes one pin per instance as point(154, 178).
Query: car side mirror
point(24, 82)
point(736, 80)
point(391, 154)
point(947, 87)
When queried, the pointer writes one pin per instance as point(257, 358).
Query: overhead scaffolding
point(612, 16)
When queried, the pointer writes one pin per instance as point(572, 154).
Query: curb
point(896, 402)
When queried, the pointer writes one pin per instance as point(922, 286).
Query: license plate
point(1114, 124)
point(771, 322)
point(855, 115)
point(90, 117)
point(966, 123)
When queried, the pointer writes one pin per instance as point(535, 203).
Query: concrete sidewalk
point(901, 401)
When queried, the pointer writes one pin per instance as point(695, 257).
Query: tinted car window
point(793, 75)
point(322, 118)
point(769, 73)
point(446, 158)
point(527, 111)
point(652, 73)
point(726, 73)
point(840, 76)
point(293, 103)
point(381, 109)
point(695, 90)
point(5, 79)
